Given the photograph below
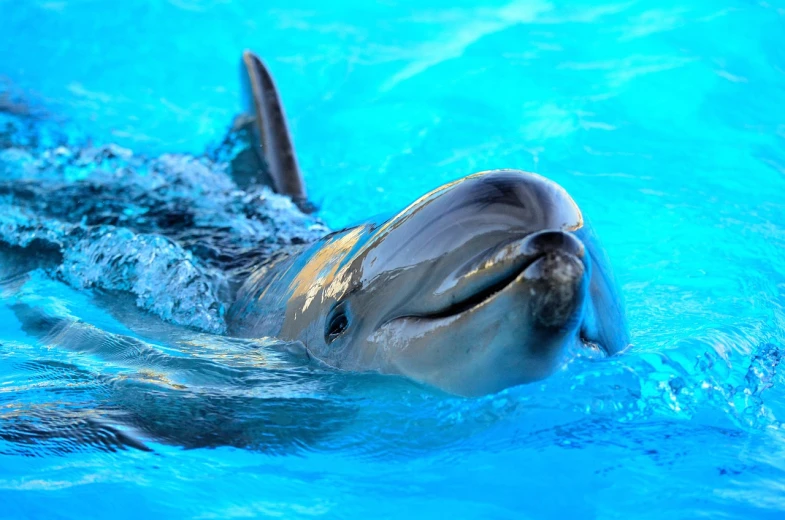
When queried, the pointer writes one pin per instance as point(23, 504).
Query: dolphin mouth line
point(483, 295)
point(492, 290)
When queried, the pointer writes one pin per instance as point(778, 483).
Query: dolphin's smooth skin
point(482, 284)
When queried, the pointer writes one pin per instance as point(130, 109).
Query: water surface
point(663, 120)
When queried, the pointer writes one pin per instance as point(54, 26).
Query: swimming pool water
point(664, 120)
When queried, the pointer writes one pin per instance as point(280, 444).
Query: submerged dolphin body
point(479, 285)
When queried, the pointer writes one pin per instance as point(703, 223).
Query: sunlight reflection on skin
point(320, 270)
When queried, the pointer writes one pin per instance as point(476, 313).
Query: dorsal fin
point(274, 144)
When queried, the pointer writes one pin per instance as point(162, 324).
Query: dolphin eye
point(337, 323)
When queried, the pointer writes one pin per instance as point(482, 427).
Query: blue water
point(664, 120)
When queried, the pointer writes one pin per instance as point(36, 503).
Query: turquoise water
point(665, 121)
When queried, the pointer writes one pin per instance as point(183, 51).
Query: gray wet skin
point(477, 286)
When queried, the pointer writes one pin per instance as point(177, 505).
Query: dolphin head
point(479, 285)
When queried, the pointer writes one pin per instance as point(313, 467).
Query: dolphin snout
point(557, 279)
point(499, 266)
point(543, 242)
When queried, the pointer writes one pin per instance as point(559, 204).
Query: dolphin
point(487, 282)
point(482, 284)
